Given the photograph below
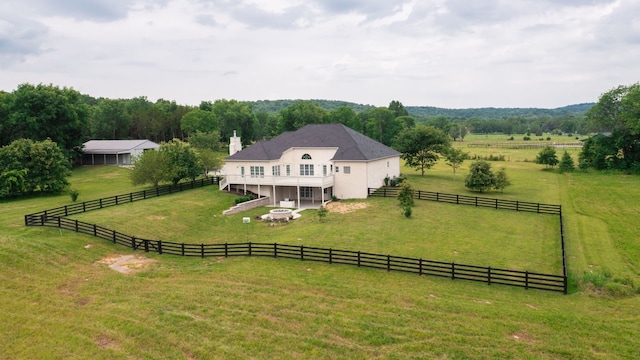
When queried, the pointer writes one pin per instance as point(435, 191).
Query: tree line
point(33, 118)
point(70, 118)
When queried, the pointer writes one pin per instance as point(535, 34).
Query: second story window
point(275, 170)
point(287, 170)
point(306, 157)
point(306, 169)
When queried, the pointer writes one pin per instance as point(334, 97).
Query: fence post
point(130, 197)
point(330, 256)
point(202, 250)
point(77, 226)
point(146, 245)
point(384, 192)
point(388, 263)
point(526, 280)
point(420, 267)
point(517, 205)
point(84, 206)
point(65, 211)
point(114, 236)
point(160, 247)
point(489, 275)
point(358, 258)
point(100, 201)
point(301, 252)
point(144, 194)
point(182, 249)
point(133, 242)
point(476, 201)
point(453, 271)
point(496, 203)
point(158, 191)
point(538, 209)
point(95, 231)
point(438, 197)
point(116, 197)
point(275, 250)
point(226, 250)
point(249, 248)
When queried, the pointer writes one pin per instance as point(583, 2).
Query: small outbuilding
point(114, 152)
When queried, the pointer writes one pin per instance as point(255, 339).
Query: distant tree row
point(69, 118)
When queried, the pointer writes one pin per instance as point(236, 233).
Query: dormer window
point(306, 157)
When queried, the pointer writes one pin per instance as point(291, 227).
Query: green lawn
point(58, 302)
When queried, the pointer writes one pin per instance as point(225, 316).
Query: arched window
point(306, 157)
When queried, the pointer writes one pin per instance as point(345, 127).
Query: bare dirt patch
point(127, 264)
point(343, 208)
point(105, 342)
point(155, 217)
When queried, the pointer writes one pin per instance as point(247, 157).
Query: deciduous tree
point(302, 113)
point(205, 140)
point(480, 177)
point(34, 166)
point(48, 112)
point(110, 120)
point(199, 120)
point(184, 162)
point(421, 146)
point(616, 116)
point(547, 156)
point(455, 158)
point(151, 167)
point(501, 180)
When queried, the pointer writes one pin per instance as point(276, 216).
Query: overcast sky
point(444, 53)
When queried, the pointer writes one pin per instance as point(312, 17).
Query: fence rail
point(472, 200)
point(101, 203)
point(488, 275)
point(526, 145)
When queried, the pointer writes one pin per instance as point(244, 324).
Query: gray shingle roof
point(352, 145)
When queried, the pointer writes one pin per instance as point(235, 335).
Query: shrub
point(242, 199)
point(548, 138)
point(526, 138)
point(405, 199)
point(322, 214)
point(480, 177)
point(547, 157)
point(73, 193)
point(334, 198)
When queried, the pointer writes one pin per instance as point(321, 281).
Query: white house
point(311, 164)
point(114, 152)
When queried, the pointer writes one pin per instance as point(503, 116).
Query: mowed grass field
point(60, 302)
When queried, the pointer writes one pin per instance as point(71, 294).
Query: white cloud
point(449, 53)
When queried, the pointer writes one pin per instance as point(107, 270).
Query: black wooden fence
point(494, 203)
point(101, 203)
point(529, 280)
point(472, 200)
point(488, 275)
